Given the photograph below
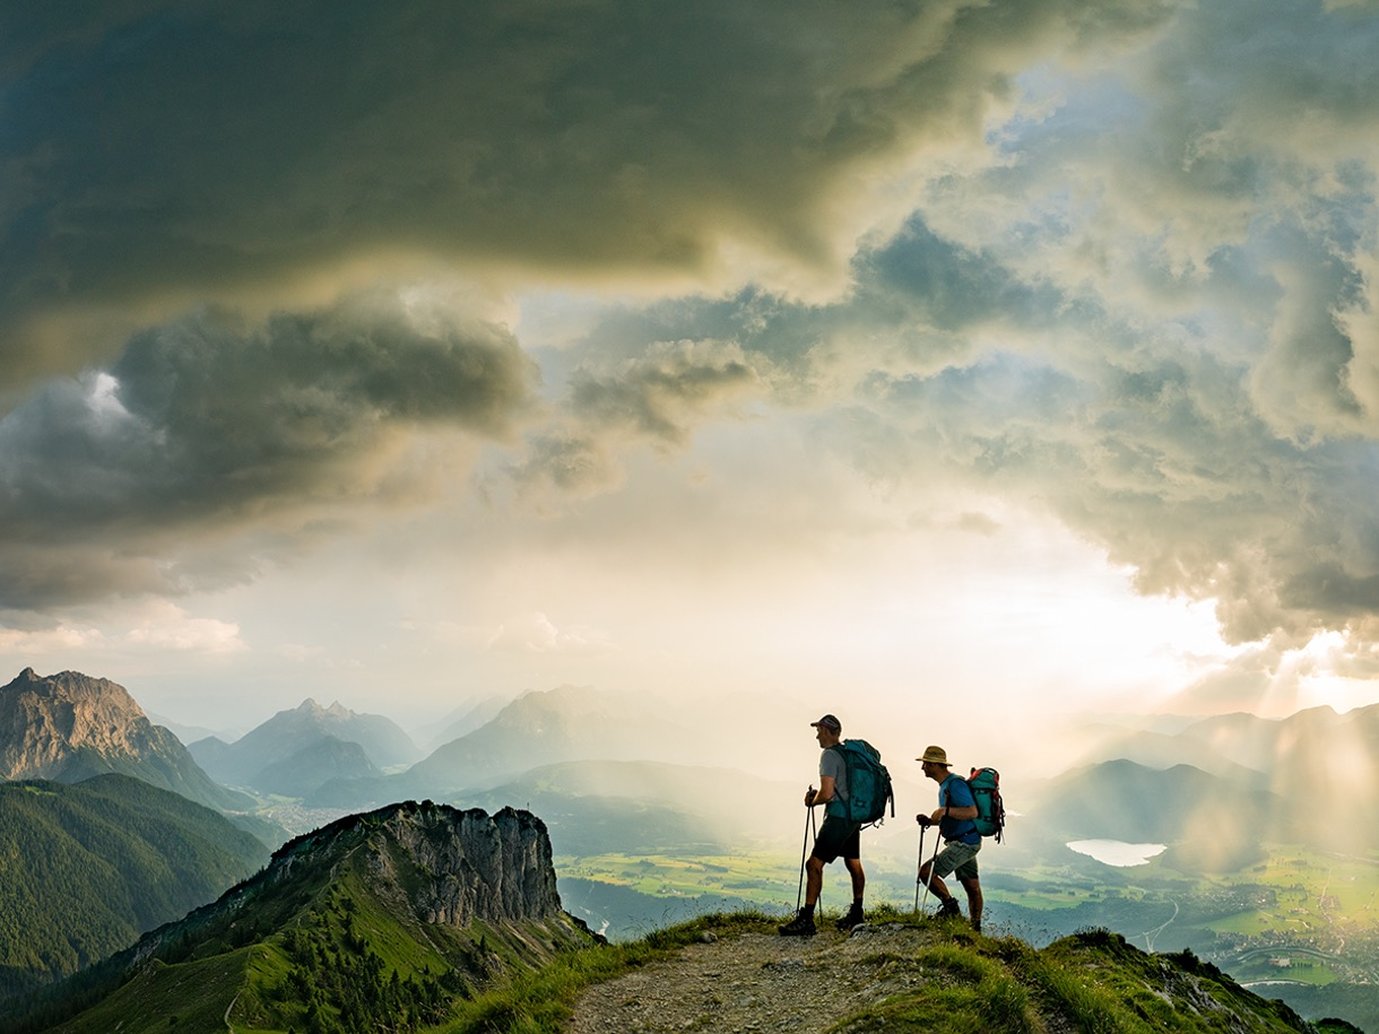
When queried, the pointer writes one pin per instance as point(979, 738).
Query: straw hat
point(937, 755)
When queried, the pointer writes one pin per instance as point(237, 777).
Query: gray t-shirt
point(831, 764)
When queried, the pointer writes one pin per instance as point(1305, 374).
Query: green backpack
point(869, 784)
point(985, 784)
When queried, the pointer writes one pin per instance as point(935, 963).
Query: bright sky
point(871, 355)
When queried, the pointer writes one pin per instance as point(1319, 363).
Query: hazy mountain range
point(570, 723)
point(1319, 769)
point(636, 807)
point(269, 756)
point(1214, 822)
point(464, 720)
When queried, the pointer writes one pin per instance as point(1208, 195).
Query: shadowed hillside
point(89, 867)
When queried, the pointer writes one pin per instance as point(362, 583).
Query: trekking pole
point(804, 848)
point(919, 867)
point(814, 837)
point(932, 859)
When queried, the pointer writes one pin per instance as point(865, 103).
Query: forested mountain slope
point(86, 868)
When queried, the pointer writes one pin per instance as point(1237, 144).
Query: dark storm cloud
point(154, 153)
point(659, 397)
point(662, 394)
point(214, 425)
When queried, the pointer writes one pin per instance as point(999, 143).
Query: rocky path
point(756, 983)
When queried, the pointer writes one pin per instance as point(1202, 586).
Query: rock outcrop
point(451, 866)
point(68, 727)
point(456, 896)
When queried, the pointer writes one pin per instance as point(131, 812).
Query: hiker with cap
point(837, 836)
point(954, 816)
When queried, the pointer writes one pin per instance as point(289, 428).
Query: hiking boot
point(853, 918)
point(949, 909)
point(801, 926)
point(976, 926)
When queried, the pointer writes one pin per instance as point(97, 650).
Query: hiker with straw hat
point(953, 816)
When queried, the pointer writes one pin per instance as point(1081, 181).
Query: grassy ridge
point(961, 982)
point(1094, 982)
point(192, 996)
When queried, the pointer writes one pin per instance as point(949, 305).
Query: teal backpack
point(985, 784)
point(869, 784)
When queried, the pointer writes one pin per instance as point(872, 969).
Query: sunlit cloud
point(60, 639)
point(536, 633)
point(168, 627)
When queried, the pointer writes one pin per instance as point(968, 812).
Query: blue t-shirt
point(955, 793)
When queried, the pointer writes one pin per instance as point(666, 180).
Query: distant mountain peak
point(45, 718)
point(309, 706)
point(70, 726)
point(292, 731)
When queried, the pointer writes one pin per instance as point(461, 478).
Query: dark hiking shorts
point(837, 836)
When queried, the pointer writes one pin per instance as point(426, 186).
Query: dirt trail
point(757, 983)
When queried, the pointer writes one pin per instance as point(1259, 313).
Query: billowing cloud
point(657, 397)
point(164, 626)
point(157, 153)
point(154, 626)
point(1115, 260)
point(1153, 313)
point(214, 426)
point(536, 633)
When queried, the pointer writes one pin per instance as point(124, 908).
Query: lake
point(1117, 852)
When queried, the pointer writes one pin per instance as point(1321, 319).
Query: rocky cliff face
point(431, 868)
point(43, 721)
point(491, 867)
point(68, 727)
point(450, 866)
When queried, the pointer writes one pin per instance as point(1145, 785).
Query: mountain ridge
point(292, 731)
point(69, 726)
point(899, 973)
point(445, 899)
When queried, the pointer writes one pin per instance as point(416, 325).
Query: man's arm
point(955, 812)
point(958, 812)
point(824, 794)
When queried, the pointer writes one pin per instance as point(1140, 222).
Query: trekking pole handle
point(809, 796)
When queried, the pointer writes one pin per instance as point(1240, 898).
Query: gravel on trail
point(757, 983)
